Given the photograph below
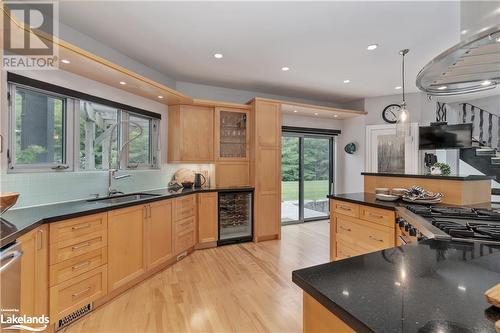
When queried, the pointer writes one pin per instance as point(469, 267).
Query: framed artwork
point(389, 153)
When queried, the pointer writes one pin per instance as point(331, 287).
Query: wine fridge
point(235, 217)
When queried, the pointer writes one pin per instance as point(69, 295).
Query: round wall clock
point(391, 113)
point(350, 148)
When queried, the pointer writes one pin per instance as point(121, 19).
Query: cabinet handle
point(39, 239)
point(79, 246)
point(86, 290)
point(81, 226)
point(145, 212)
point(345, 208)
point(346, 229)
point(376, 239)
point(378, 216)
point(80, 266)
point(149, 208)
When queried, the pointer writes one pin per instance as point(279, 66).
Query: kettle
point(197, 180)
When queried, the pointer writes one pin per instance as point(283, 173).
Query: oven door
point(10, 279)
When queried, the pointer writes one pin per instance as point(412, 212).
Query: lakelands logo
point(15, 322)
point(28, 28)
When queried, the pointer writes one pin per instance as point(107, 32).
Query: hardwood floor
point(236, 288)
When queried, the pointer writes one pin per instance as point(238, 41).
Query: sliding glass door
point(307, 176)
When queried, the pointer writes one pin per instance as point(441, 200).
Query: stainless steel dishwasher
point(10, 278)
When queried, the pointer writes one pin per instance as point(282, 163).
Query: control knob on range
point(413, 232)
point(401, 222)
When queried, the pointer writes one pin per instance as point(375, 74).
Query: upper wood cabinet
point(190, 134)
point(126, 250)
point(35, 272)
point(159, 233)
point(232, 134)
point(208, 228)
point(267, 124)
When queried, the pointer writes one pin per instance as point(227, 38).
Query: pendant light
point(403, 121)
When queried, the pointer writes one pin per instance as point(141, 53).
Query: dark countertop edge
point(462, 178)
point(380, 205)
point(336, 310)
point(15, 235)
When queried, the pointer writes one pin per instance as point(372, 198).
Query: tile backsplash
point(45, 188)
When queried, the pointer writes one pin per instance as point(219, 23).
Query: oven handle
point(403, 240)
point(13, 256)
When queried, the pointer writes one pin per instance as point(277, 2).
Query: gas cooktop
point(463, 223)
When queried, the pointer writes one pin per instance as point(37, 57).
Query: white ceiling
point(323, 43)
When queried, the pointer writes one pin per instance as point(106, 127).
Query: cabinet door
point(35, 272)
point(126, 259)
point(232, 133)
point(268, 124)
point(207, 217)
point(159, 233)
point(197, 125)
point(232, 174)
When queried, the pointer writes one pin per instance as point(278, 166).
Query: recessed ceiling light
point(486, 83)
point(285, 69)
point(463, 32)
point(372, 47)
point(442, 87)
point(123, 83)
point(498, 39)
point(295, 111)
point(335, 115)
point(65, 61)
point(218, 56)
point(347, 81)
point(160, 97)
point(398, 87)
point(315, 113)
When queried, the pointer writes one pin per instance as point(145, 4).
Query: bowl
point(7, 200)
point(386, 197)
point(382, 190)
point(187, 184)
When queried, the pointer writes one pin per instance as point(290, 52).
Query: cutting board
point(493, 297)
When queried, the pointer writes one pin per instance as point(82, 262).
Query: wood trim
point(211, 103)
point(310, 106)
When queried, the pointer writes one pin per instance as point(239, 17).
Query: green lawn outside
point(313, 189)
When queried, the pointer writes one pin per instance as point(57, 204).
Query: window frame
point(67, 141)
point(71, 133)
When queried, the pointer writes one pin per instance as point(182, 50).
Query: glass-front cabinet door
point(232, 132)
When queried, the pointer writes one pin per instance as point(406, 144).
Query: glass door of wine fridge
point(235, 217)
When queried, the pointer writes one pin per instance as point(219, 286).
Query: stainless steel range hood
point(471, 66)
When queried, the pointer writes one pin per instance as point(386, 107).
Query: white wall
point(235, 95)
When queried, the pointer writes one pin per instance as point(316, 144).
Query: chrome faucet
point(111, 176)
point(112, 172)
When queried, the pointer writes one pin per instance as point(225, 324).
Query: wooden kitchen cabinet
point(229, 174)
point(184, 223)
point(265, 169)
point(126, 245)
point(232, 134)
point(190, 134)
point(208, 229)
point(159, 233)
point(358, 229)
point(35, 272)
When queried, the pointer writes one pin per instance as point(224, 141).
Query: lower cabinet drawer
point(73, 267)
point(73, 247)
point(183, 241)
point(345, 250)
point(184, 225)
point(346, 208)
point(364, 236)
point(77, 292)
point(184, 207)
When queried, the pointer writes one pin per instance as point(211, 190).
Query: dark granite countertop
point(435, 286)
point(20, 221)
point(367, 199)
point(450, 177)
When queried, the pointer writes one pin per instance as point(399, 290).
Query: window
point(51, 132)
point(38, 130)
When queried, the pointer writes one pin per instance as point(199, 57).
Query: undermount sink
point(124, 198)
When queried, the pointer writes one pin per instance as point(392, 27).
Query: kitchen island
point(434, 286)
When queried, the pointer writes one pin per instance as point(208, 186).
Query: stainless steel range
point(463, 224)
